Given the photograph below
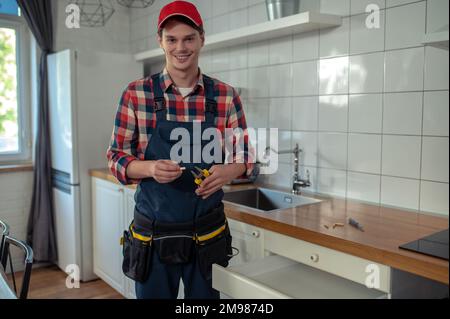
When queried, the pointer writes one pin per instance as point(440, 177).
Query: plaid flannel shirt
point(135, 120)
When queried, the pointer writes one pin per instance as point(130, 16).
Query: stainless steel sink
point(267, 200)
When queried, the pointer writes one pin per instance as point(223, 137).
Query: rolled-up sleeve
point(123, 145)
point(243, 151)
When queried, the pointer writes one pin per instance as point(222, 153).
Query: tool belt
point(208, 237)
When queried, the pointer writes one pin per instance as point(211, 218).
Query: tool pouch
point(213, 244)
point(137, 254)
point(173, 242)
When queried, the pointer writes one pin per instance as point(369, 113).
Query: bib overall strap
point(159, 106)
point(210, 102)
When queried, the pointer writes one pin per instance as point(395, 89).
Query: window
point(14, 105)
point(9, 7)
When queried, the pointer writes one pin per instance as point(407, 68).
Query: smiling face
point(181, 44)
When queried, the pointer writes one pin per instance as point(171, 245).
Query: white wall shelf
point(299, 23)
point(437, 39)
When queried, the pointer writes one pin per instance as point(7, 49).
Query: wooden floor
point(50, 283)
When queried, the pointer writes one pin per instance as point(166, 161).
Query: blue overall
point(175, 201)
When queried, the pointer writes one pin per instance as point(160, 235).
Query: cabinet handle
point(314, 258)
point(255, 233)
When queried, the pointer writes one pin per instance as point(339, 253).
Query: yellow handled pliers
point(200, 175)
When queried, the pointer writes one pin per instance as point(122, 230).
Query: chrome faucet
point(297, 183)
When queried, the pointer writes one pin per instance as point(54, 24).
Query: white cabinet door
point(248, 239)
point(129, 285)
point(108, 211)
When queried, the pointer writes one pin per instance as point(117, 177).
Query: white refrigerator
point(84, 91)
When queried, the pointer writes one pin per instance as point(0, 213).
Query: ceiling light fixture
point(94, 13)
point(135, 3)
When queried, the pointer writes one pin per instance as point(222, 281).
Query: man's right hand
point(165, 171)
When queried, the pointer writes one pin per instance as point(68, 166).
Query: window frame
point(23, 57)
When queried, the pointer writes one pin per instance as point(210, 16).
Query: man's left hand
point(220, 175)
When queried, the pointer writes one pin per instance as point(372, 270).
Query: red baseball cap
point(180, 8)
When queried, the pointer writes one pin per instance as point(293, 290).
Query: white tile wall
point(335, 42)
point(238, 57)
point(437, 15)
point(435, 159)
point(403, 113)
point(405, 26)
point(333, 113)
point(332, 182)
point(436, 69)
point(401, 156)
point(364, 153)
point(404, 70)
point(258, 54)
point(258, 82)
point(435, 118)
point(280, 50)
point(364, 187)
point(365, 113)
point(400, 192)
point(333, 75)
point(305, 113)
point(359, 33)
point(306, 46)
point(341, 7)
point(257, 112)
point(434, 197)
point(333, 150)
point(366, 73)
point(368, 106)
point(280, 113)
point(280, 79)
point(305, 78)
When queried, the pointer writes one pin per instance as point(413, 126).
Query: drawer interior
point(279, 277)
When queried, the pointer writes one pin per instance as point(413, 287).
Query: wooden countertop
point(385, 229)
point(11, 168)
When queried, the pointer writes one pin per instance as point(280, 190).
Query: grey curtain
point(41, 230)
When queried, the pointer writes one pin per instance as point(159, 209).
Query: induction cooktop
point(435, 245)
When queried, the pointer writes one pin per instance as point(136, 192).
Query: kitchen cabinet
point(108, 215)
point(248, 240)
point(298, 269)
point(113, 208)
point(269, 264)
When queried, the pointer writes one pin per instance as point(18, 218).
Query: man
point(169, 204)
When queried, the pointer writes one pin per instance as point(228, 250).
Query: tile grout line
point(423, 109)
point(382, 108)
point(348, 103)
point(319, 34)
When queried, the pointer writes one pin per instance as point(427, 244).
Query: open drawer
point(276, 277)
